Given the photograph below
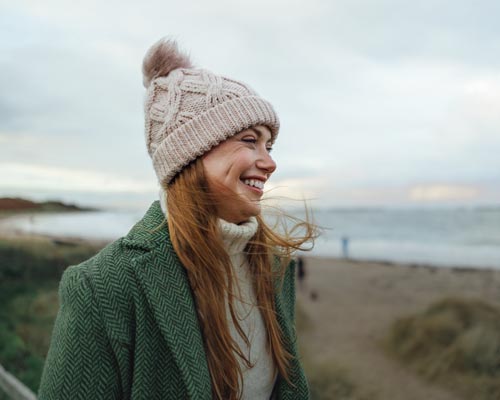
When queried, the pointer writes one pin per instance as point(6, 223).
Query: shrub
point(38, 260)
point(30, 271)
point(455, 342)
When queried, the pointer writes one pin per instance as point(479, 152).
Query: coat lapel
point(166, 286)
point(283, 389)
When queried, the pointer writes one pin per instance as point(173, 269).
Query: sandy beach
point(356, 303)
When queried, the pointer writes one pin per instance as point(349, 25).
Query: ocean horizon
point(444, 236)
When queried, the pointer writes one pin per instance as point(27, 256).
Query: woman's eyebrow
point(259, 133)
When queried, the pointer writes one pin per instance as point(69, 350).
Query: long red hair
point(194, 231)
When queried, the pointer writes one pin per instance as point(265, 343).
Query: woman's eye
point(249, 140)
point(269, 149)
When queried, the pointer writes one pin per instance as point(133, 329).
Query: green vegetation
point(25, 329)
point(455, 343)
point(29, 260)
point(30, 271)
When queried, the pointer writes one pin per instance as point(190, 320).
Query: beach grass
point(455, 342)
point(30, 270)
point(25, 328)
point(37, 259)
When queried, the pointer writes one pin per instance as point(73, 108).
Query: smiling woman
point(236, 171)
point(197, 301)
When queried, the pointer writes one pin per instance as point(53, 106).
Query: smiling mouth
point(254, 183)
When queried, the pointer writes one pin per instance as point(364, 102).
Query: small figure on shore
point(345, 246)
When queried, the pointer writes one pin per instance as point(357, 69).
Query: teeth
point(255, 183)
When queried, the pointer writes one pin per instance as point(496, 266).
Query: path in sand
point(357, 301)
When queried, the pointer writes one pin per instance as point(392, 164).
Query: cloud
point(443, 192)
point(371, 96)
point(41, 177)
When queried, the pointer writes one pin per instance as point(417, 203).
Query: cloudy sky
point(381, 102)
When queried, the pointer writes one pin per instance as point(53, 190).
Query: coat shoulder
point(111, 272)
point(110, 276)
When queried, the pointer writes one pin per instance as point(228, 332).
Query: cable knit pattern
point(190, 110)
point(258, 382)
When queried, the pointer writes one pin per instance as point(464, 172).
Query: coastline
point(416, 252)
point(16, 234)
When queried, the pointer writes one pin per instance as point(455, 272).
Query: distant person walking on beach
point(345, 247)
point(197, 300)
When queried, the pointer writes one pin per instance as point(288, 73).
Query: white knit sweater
point(258, 382)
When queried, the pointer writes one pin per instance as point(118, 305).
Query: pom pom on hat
point(164, 56)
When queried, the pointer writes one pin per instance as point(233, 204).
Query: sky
point(382, 103)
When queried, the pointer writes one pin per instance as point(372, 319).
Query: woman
point(197, 301)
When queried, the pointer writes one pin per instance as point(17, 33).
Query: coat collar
point(166, 286)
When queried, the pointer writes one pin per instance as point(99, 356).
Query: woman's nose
point(266, 163)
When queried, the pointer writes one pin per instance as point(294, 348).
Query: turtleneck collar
point(235, 237)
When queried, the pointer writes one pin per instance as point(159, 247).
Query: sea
point(447, 237)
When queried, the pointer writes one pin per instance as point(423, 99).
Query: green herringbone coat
point(127, 326)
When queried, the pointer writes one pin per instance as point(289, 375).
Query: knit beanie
point(189, 110)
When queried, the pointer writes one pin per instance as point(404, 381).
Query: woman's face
point(236, 171)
